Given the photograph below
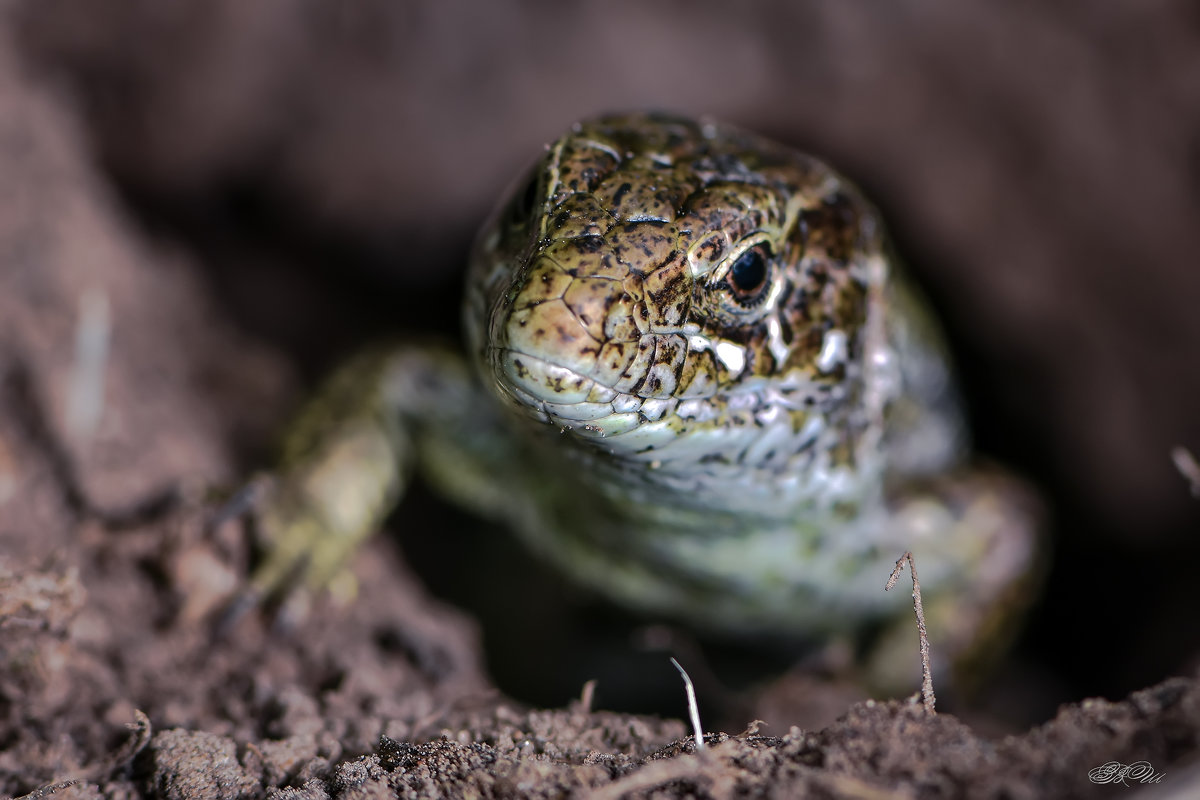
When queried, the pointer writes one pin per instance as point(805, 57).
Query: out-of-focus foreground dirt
point(202, 204)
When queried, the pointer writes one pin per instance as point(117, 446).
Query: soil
point(205, 204)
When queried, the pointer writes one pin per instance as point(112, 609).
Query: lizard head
point(681, 292)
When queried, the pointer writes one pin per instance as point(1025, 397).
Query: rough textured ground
point(239, 193)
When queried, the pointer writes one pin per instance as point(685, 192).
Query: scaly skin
point(718, 400)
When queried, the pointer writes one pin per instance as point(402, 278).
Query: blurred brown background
point(324, 165)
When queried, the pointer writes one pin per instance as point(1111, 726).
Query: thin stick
point(1185, 462)
point(926, 672)
point(587, 696)
point(693, 708)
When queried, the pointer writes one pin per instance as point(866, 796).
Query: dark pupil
point(749, 271)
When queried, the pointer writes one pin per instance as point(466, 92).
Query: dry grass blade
point(693, 708)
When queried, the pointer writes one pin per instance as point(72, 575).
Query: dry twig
point(1185, 462)
point(926, 673)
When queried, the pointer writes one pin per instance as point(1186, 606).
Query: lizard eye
point(521, 207)
point(749, 276)
point(528, 196)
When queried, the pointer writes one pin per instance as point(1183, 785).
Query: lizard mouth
point(549, 389)
point(570, 400)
